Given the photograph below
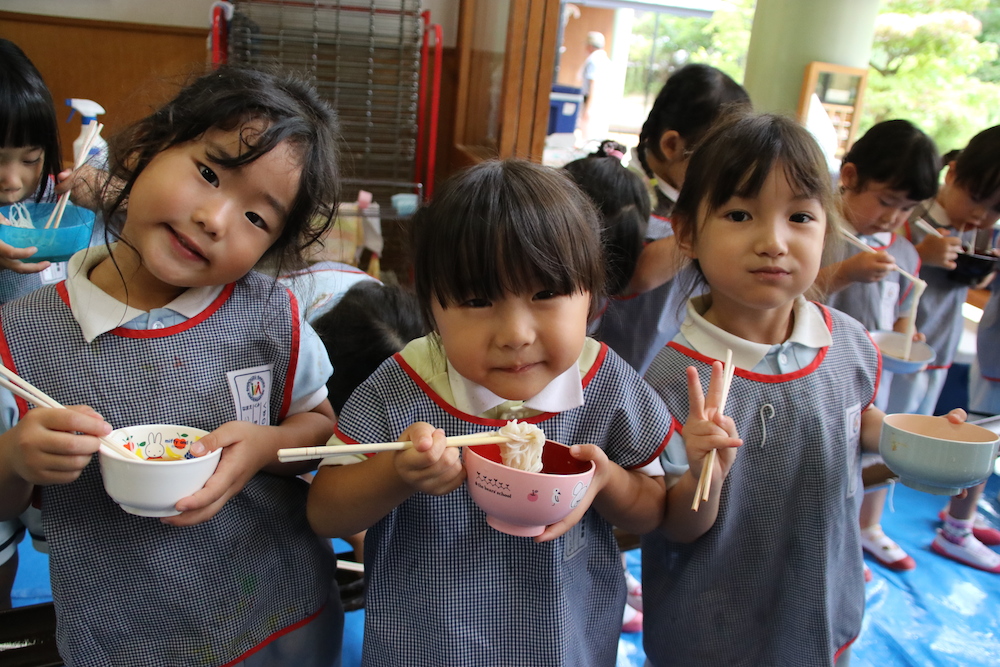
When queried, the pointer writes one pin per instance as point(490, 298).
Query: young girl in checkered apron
point(646, 315)
point(507, 267)
point(171, 325)
point(768, 571)
point(885, 175)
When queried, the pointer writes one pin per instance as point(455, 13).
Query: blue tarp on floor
point(940, 615)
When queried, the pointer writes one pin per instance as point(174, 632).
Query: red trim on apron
point(293, 358)
point(284, 631)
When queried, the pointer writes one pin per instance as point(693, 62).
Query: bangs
point(27, 119)
point(506, 228)
point(744, 162)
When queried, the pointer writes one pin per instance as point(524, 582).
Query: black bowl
point(972, 268)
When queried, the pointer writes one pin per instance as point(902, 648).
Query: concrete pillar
point(789, 34)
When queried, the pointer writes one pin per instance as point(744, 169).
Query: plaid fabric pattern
point(778, 579)
point(446, 589)
point(131, 590)
point(863, 301)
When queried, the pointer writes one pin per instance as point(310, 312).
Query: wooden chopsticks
point(855, 241)
point(57, 211)
point(310, 453)
point(17, 385)
point(704, 486)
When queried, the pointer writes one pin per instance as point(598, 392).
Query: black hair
point(369, 324)
point(977, 167)
point(268, 107)
point(506, 227)
point(735, 159)
point(898, 154)
point(27, 115)
point(623, 202)
point(689, 102)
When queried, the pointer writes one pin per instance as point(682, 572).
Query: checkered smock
point(446, 589)
point(131, 590)
point(777, 580)
point(636, 327)
point(864, 301)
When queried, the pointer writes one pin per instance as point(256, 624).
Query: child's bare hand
point(430, 466)
point(706, 429)
point(246, 452)
point(957, 416)
point(601, 473)
point(940, 252)
point(51, 445)
point(866, 267)
point(10, 258)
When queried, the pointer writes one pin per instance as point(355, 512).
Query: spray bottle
point(89, 110)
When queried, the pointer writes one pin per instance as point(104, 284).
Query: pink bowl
point(524, 503)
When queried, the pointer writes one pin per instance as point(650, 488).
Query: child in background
point(369, 324)
point(887, 172)
point(768, 571)
point(642, 321)
point(508, 266)
point(968, 202)
point(623, 204)
point(29, 170)
point(157, 328)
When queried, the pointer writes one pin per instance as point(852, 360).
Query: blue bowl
point(54, 245)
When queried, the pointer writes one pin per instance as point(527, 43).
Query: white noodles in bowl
point(523, 450)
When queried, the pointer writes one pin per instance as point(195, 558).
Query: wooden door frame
point(532, 30)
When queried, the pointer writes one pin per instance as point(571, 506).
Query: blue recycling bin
point(564, 108)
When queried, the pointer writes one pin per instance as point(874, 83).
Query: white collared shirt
point(809, 335)
point(564, 392)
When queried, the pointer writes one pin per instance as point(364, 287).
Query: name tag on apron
point(251, 390)
point(852, 425)
point(53, 274)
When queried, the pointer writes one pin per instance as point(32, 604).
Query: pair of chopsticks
point(18, 386)
point(310, 453)
point(855, 241)
point(57, 211)
point(704, 487)
point(933, 231)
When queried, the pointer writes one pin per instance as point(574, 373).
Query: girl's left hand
point(242, 458)
point(601, 473)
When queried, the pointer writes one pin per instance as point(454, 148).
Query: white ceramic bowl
point(892, 345)
point(933, 455)
point(524, 503)
point(151, 487)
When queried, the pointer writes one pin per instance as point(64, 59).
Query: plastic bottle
point(89, 111)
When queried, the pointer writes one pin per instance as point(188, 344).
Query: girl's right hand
point(707, 429)
point(10, 258)
point(51, 445)
point(940, 252)
point(430, 466)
